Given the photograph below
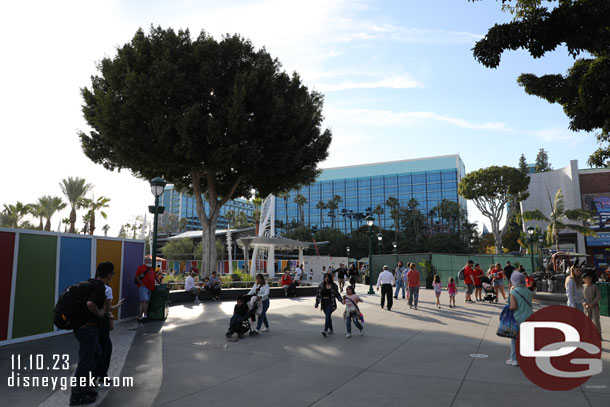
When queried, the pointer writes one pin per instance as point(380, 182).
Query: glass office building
point(363, 187)
point(184, 206)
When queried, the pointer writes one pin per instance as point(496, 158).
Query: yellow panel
point(110, 250)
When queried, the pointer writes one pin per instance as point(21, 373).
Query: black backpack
point(71, 308)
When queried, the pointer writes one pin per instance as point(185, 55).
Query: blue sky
point(399, 81)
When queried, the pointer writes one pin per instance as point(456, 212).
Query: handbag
point(360, 316)
point(508, 327)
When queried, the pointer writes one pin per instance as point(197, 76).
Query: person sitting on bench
point(190, 287)
point(213, 285)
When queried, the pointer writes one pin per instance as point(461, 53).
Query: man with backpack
point(81, 308)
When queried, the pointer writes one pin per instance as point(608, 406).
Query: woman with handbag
point(261, 291)
point(328, 294)
point(520, 303)
point(352, 312)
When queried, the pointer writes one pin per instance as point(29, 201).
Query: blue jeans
point(413, 295)
point(263, 318)
point(89, 352)
point(400, 283)
point(327, 307)
point(513, 352)
point(235, 323)
point(348, 322)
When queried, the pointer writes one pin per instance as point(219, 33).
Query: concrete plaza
point(406, 357)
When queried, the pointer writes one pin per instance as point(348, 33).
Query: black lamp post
point(530, 237)
point(380, 242)
point(157, 185)
point(395, 250)
point(369, 222)
point(347, 249)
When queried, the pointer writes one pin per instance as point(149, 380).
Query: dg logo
point(559, 348)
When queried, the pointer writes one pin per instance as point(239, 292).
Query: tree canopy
point(492, 190)
point(583, 26)
point(213, 117)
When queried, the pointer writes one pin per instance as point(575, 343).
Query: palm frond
point(535, 215)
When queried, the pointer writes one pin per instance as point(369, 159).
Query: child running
point(452, 290)
point(352, 312)
point(438, 288)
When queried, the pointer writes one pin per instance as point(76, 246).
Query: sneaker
point(348, 335)
point(415, 308)
point(324, 334)
point(362, 332)
point(330, 332)
point(411, 306)
point(515, 363)
point(265, 329)
point(256, 331)
point(512, 362)
point(197, 301)
point(396, 297)
point(228, 335)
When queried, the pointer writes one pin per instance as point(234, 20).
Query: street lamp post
point(530, 234)
point(380, 242)
point(157, 185)
point(540, 243)
point(369, 223)
point(347, 249)
point(395, 250)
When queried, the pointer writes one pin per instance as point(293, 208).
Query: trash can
point(158, 306)
point(604, 302)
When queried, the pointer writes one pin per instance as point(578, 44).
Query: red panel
point(7, 249)
point(164, 265)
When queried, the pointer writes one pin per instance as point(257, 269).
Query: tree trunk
point(47, 226)
point(72, 220)
point(92, 223)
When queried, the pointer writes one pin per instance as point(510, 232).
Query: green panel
point(604, 302)
point(35, 287)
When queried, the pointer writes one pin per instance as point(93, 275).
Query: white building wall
point(543, 187)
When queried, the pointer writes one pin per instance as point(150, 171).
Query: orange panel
point(110, 250)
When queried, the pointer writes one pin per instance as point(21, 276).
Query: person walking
point(452, 291)
point(399, 277)
point(520, 303)
point(261, 290)
point(341, 275)
point(574, 291)
point(592, 297)
point(413, 282)
point(438, 289)
point(327, 296)
point(386, 281)
point(353, 276)
point(352, 312)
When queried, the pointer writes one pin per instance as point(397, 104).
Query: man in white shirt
point(189, 287)
point(386, 281)
point(298, 273)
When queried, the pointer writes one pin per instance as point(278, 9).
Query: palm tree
point(86, 220)
point(50, 205)
point(94, 206)
point(394, 206)
point(66, 222)
point(332, 206)
point(321, 206)
point(558, 217)
point(37, 211)
point(300, 200)
point(379, 211)
point(106, 228)
point(74, 189)
point(285, 196)
point(12, 214)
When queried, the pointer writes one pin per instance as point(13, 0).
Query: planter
point(429, 281)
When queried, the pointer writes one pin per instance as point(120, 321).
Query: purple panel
point(133, 257)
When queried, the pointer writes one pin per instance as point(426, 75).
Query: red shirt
point(149, 277)
point(286, 280)
point(477, 276)
point(468, 275)
point(413, 278)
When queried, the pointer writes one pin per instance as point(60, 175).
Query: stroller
point(245, 325)
point(490, 293)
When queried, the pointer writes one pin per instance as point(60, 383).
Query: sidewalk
point(420, 358)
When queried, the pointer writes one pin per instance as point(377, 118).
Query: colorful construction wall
point(35, 267)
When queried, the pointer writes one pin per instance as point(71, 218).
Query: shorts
point(437, 293)
point(451, 295)
point(144, 294)
point(470, 288)
point(193, 290)
point(498, 283)
point(478, 286)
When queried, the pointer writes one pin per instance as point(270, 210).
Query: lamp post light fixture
point(380, 242)
point(157, 186)
point(369, 222)
point(530, 235)
point(395, 250)
point(347, 249)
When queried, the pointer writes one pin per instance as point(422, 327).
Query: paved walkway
point(420, 358)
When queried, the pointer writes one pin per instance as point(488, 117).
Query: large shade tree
point(493, 191)
point(541, 26)
point(218, 119)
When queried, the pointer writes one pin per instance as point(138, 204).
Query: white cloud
point(389, 83)
point(563, 135)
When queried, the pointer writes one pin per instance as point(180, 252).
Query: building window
point(419, 179)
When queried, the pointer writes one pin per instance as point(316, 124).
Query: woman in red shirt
point(497, 275)
point(285, 282)
point(478, 286)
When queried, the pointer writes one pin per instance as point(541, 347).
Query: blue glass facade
point(184, 206)
point(363, 187)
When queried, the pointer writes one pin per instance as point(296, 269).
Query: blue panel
point(74, 261)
